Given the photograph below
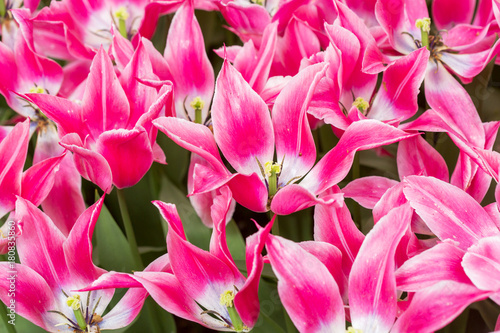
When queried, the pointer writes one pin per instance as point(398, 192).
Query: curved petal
point(128, 153)
point(239, 117)
point(311, 298)
point(446, 13)
point(249, 191)
point(482, 263)
point(367, 191)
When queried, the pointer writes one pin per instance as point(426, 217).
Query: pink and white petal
point(218, 244)
point(447, 14)
point(464, 36)
point(246, 301)
point(33, 296)
point(294, 140)
point(38, 180)
point(121, 49)
point(372, 282)
point(417, 157)
point(189, 65)
point(469, 65)
point(335, 165)
point(433, 308)
point(439, 263)
point(40, 246)
point(294, 197)
point(367, 191)
point(453, 104)
point(78, 248)
point(65, 113)
point(104, 105)
point(397, 99)
point(13, 150)
point(238, 122)
point(334, 225)
point(249, 191)
point(203, 276)
point(260, 73)
point(449, 212)
point(194, 137)
point(90, 164)
point(482, 263)
point(311, 298)
point(128, 153)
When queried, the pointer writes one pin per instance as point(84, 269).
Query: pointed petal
point(372, 283)
point(417, 157)
point(13, 150)
point(41, 245)
point(397, 98)
point(436, 306)
point(482, 263)
point(448, 98)
point(448, 211)
point(367, 191)
point(33, 296)
point(249, 191)
point(238, 114)
point(447, 13)
point(335, 165)
point(439, 263)
point(294, 141)
point(91, 165)
point(312, 298)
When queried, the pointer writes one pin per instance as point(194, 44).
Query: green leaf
point(235, 241)
point(113, 252)
point(196, 232)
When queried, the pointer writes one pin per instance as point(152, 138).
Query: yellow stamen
point(226, 298)
point(37, 90)
point(197, 103)
point(424, 24)
point(74, 302)
point(271, 168)
point(361, 104)
point(122, 13)
point(350, 329)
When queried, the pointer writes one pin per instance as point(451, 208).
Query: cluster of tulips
point(310, 106)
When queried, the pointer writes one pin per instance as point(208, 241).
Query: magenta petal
point(334, 225)
point(367, 191)
point(436, 306)
point(397, 98)
point(188, 62)
point(78, 248)
point(128, 153)
point(482, 263)
point(13, 151)
point(38, 180)
point(372, 283)
point(311, 298)
point(294, 197)
point(104, 105)
point(417, 157)
point(447, 13)
point(246, 300)
point(33, 296)
point(235, 106)
point(335, 165)
point(249, 191)
point(41, 245)
point(294, 141)
point(196, 138)
point(91, 165)
point(453, 104)
point(439, 263)
point(449, 212)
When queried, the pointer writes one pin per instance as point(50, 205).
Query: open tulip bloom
point(323, 166)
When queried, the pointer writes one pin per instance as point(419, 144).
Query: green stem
point(356, 173)
point(3, 312)
point(276, 226)
point(80, 320)
point(197, 116)
point(129, 230)
point(122, 26)
point(425, 39)
point(2, 8)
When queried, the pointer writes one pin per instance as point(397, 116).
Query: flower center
point(122, 15)
point(83, 321)
point(361, 104)
point(197, 104)
point(350, 329)
point(227, 299)
point(37, 90)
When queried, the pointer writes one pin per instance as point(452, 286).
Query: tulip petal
point(482, 263)
point(367, 191)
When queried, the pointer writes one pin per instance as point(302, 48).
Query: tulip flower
point(110, 131)
point(53, 267)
